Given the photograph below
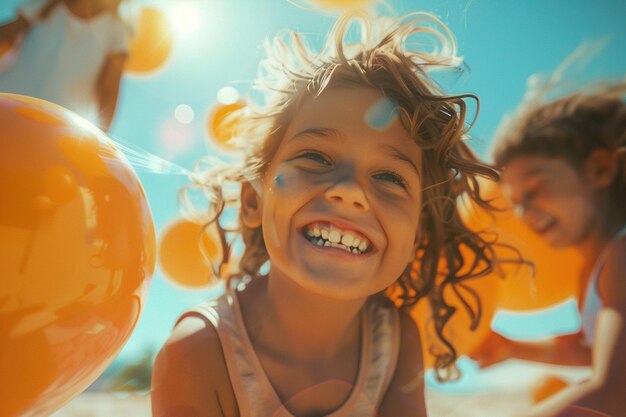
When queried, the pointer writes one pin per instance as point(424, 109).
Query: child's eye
point(392, 178)
point(532, 192)
point(315, 156)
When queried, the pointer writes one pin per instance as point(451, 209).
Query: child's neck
point(300, 325)
point(600, 234)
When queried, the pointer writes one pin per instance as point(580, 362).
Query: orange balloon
point(222, 125)
point(77, 252)
point(181, 253)
point(152, 44)
point(556, 272)
point(547, 387)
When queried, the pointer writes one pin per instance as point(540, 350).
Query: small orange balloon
point(77, 252)
point(186, 252)
point(222, 124)
point(152, 45)
point(554, 276)
point(547, 387)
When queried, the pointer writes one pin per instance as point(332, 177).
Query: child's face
point(341, 198)
point(551, 197)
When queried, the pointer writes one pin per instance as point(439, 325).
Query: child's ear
point(251, 206)
point(601, 167)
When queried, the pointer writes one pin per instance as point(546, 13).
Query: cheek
point(287, 181)
point(403, 229)
point(282, 196)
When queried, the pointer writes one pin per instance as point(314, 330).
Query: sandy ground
point(440, 405)
point(501, 391)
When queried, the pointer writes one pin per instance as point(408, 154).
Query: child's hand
point(493, 350)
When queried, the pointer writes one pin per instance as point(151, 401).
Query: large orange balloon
point(152, 44)
point(222, 125)
point(186, 252)
point(556, 272)
point(77, 252)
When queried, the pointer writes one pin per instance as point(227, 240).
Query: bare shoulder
point(190, 378)
point(405, 395)
point(612, 280)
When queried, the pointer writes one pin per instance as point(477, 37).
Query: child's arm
point(604, 391)
point(11, 30)
point(108, 87)
point(189, 378)
point(564, 350)
point(405, 396)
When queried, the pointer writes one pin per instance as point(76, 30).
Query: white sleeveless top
point(61, 57)
point(593, 303)
point(380, 341)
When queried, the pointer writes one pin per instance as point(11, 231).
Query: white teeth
point(334, 236)
point(331, 237)
point(347, 239)
point(545, 223)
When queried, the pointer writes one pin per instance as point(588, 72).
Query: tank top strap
point(592, 301)
point(382, 320)
point(246, 375)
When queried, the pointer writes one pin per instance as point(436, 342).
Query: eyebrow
point(317, 131)
point(535, 172)
point(399, 156)
point(390, 150)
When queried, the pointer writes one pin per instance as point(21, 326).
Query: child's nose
point(348, 194)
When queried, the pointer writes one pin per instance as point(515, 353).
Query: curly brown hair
point(448, 253)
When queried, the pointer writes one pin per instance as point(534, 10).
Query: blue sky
point(503, 43)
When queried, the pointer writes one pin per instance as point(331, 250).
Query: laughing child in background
point(564, 169)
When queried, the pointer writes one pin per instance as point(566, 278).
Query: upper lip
point(370, 235)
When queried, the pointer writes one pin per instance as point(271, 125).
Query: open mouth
point(325, 235)
point(544, 224)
